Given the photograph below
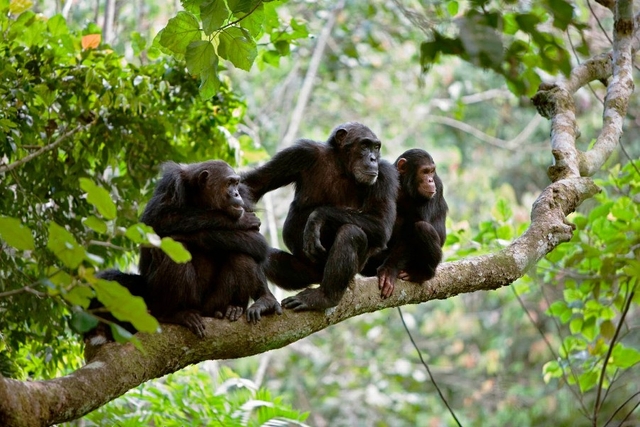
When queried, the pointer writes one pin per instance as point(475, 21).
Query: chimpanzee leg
point(427, 253)
point(290, 272)
point(346, 256)
point(240, 279)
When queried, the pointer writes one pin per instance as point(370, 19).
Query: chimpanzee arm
point(251, 243)
point(283, 168)
point(376, 218)
point(168, 220)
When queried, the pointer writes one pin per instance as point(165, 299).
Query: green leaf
point(242, 5)
point(562, 13)
point(587, 380)
point(502, 212)
point(82, 321)
point(624, 357)
point(452, 8)
point(213, 13)
point(57, 26)
point(237, 46)
point(201, 56)
point(96, 224)
point(79, 295)
point(64, 246)
point(176, 251)
point(209, 82)
point(551, 370)
point(124, 306)
point(253, 22)
point(607, 329)
point(99, 197)
point(138, 43)
point(624, 209)
point(15, 234)
point(179, 32)
point(139, 233)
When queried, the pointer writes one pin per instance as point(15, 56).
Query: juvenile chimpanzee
point(343, 211)
point(201, 206)
point(415, 248)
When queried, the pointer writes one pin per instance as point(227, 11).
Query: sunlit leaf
point(213, 14)
point(124, 306)
point(587, 380)
point(16, 234)
point(201, 56)
point(99, 197)
point(624, 357)
point(16, 7)
point(79, 295)
point(175, 250)
point(64, 246)
point(179, 32)
point(237, 46)
point(96, 224)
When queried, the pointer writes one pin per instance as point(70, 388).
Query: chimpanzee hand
point(386, 280)
point(312, 245)
point(249, 221)
point(233, 313)
point(266, 304)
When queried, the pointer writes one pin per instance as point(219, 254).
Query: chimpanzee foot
point(310, 299)
point(234, 312)
point(264, 305)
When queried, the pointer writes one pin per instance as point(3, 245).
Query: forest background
point(94, 100)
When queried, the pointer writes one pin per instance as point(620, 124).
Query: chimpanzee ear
point(202, 178)
point(341, 135)
point(401, 164)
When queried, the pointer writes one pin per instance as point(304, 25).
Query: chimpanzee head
point(418, 176)
point(358, 149)
point(214, 185)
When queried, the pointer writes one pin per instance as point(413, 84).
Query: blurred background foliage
point(451, 77)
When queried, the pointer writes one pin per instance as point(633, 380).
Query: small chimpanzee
point(343, 211)
point(201, 206)
point(415, 248)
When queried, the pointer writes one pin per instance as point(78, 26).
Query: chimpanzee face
point(219, 184)
point(418, 175)
point(359, 148)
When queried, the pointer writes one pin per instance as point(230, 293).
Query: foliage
point(210, 30)
point(82, 136)
point(598, 275)
point(194, 397)
point(511, 38)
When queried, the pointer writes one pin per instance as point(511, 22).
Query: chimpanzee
point(201, 206)
point(415, 248)
point(343, 211)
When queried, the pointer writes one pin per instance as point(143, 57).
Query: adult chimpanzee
point(201, 206)
point(415, 248)
point(342, 212)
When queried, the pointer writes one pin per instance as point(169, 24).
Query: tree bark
point(113, 369)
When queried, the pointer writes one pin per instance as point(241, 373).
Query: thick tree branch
point(115, 368)
point(555, 102)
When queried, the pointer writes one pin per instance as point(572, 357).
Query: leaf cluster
point(210, 30)
point(82, 136)
point(515, 40)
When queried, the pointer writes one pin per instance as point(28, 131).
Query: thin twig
point(427, 368)
point(553, 353)
point(46, 148)
point(623, 315)
point(22, 290)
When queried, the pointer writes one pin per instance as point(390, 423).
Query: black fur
point(343, 211)
point(415, 247)
point(201, 205)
